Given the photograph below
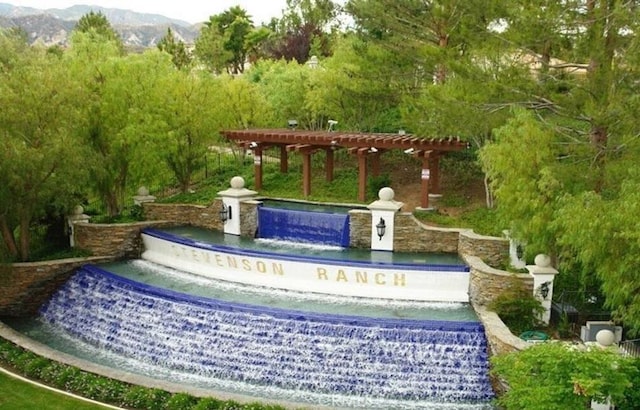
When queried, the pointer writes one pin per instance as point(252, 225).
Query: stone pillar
point(231, 198)
point(383, 213)
point(143, 196)
point(543, 275)
point(76, 216)
point(516, 252)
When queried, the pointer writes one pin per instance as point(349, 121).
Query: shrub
point(143, 398)
point(517, 307)
point(181, 401)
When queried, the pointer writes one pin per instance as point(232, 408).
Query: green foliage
point(376, 183)
point(221, 44)
point(176, 49)
point(41, 164)
point(97, 26)
point(105, 389)
point(524, 180)
point(517, 307)
point(181, 401)
point(556, 376)
point(144, 398)
point(483, 221)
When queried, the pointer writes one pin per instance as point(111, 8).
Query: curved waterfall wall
point(397, 359)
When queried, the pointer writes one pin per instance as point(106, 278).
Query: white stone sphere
point(78, 210)
point(542, 260)
point(605, 337)
point(386, 194)
point(237, 182)
point(143, 191)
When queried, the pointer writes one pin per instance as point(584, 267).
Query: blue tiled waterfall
point(390, 358)
point(303, 226)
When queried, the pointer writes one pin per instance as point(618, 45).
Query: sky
point(192, 11)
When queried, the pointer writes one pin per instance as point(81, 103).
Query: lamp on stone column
point(544, 290)
point(225, 213)
point(519, 252)
point(381, 228)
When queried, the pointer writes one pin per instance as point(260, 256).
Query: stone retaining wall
point(29, 286)
point(486, 283)
point(115, 240)
point(492, 250)
point(26, 286)
point(413, 236)
point(186, 214)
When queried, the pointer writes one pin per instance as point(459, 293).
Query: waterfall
point(395, 359)
point(303, 226)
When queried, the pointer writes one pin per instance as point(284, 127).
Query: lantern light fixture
point(381, 228)
point(225, 213)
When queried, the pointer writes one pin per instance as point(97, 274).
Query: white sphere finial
point(605, 337)
point(237, 182)
point(386, 194)
point(78, 210)
point(143, 191)
point(543, 261)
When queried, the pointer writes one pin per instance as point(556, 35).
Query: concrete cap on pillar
point(386, 202)
point(237, 189)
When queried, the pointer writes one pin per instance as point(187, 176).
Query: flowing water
point(302, 347)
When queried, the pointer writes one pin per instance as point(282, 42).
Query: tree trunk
point(488, 194)
point(441, 70)
point(8, 237)
point(25, 235)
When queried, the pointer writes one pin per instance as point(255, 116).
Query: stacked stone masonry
point(28, 287)
point(25, 286)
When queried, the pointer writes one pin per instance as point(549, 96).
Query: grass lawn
point(18, 395)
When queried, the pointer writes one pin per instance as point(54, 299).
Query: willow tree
point(42, 159)
point(191, 121)
point(586, 105)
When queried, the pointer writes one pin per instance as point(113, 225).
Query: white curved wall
point(408, 282)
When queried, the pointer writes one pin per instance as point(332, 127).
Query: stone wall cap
point(237, 193)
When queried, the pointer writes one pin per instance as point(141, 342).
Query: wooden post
point(329, 164)
point(257, 166)
point(425, 176)
point(434, 168)
point(375, 164)
point(284, 159)
point(306, 173)
point(362, 176)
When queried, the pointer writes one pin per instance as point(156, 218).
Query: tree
point(431, 34)
point(550, 376)
point(176, 49)
point(306, 29)
point(356, 88)
point(42, 162)
point(284, 86)
point(97, 26)
point(586, 176)
point(222, 41)
point(192, 123)
point(125, 123)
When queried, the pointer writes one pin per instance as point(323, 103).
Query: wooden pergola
point(364, 146)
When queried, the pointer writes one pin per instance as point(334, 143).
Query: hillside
point(53, 26)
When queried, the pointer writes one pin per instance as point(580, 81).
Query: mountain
point(53, 26)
